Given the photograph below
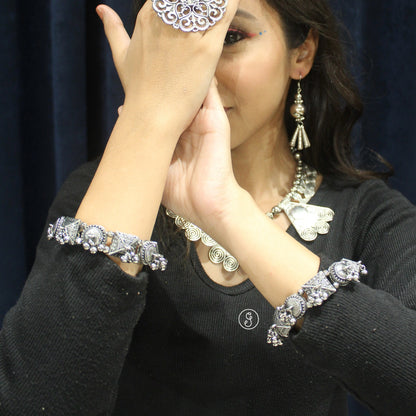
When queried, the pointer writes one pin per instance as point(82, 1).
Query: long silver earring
point(300, 139)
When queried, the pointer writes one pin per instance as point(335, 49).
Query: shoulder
point(362, 208)
point(371, 215)
point(373, 195)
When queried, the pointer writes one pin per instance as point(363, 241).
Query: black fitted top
point(87, 339)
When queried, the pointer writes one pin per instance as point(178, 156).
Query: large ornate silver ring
point(190, 15)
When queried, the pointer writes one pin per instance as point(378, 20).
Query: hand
point(165, 73)
point(200, 182)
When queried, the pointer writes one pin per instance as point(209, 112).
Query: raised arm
point(166, 74)
point(62, 347)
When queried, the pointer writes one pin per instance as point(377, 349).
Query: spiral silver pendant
point(190, 15)
point(216, 253)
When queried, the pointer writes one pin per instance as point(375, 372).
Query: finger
point(225, 22)
point(119, 110)
point(213, 99)
point(214, 110)
point(115, 32)
point(231, 11)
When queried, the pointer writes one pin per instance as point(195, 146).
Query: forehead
point(257, 10)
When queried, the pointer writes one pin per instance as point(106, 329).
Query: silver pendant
point(190, 15)
point(308, 220)
point(216, 253)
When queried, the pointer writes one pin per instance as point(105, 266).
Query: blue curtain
point(58, 98)
point(59, 95)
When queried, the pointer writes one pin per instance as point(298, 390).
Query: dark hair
point(331, 98)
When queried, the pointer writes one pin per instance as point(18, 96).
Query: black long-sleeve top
point(87, 339)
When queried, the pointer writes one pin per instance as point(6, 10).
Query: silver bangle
point(94, 238)
point(313, 293)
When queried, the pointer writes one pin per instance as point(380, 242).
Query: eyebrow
point(243, 13)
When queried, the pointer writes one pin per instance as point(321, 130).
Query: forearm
point(166, 75)
point(275, 262)
point(127, 188)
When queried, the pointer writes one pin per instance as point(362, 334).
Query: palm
point(200, 174)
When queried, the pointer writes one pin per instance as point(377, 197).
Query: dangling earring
point(300, 139)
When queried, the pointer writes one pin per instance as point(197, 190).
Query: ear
point(303, 56)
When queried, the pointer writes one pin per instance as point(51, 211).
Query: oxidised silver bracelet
point(313, 293)
point(94, 238)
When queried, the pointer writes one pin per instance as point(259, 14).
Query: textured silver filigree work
point(94, 238)
point(190, 15)
point(346, 271)
point(216, 254)
point(313, 293)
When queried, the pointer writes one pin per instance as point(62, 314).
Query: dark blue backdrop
point(59, 94)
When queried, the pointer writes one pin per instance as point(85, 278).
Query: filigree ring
point(190, 15)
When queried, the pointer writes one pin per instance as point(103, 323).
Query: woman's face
point(254, 73)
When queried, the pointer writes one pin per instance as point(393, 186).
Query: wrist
point(239, 208)
point(159, 114)
point(140, 120)
point(223, 219)
point(131, 175)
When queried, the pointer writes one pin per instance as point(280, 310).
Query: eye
point(234, 36)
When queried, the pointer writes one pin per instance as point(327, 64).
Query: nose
point(219, 72)
point(228, 74)
point(221, 79)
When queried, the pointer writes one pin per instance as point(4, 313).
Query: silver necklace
point(308, 220)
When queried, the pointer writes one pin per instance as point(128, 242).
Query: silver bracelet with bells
point(94, 238)
point(312, 293)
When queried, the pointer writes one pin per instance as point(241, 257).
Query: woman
point(100, 334)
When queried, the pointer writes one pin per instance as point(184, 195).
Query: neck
point(265, 168)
